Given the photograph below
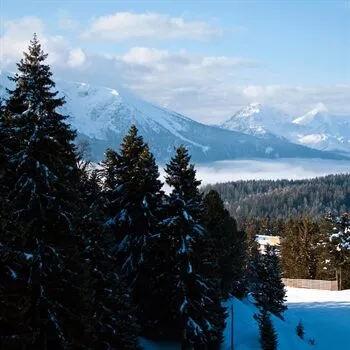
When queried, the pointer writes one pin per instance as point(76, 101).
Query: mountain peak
point(319, 110)
point(256, 119)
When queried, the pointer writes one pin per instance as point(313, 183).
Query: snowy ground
point(325, 316)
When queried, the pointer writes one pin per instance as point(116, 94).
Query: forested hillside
point(281, 198)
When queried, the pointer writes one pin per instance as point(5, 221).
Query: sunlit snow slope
point(325, 316)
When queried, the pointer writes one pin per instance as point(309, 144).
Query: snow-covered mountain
point(257, 119)
point(102, 116)
point(322, 130)
point(317, 128)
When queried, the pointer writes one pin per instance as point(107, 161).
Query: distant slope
point(280, 198)
point(102, 116)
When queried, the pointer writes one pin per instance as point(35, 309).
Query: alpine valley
point(103, 115)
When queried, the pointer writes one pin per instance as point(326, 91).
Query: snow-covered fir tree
point(135, 200)
point(334, 249)
point(266, 284)
point(2, 138)
point(42, 294)
point(113, 317)
point(4, 165)
point(196, 308)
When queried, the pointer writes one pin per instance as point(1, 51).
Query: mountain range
point(317, 128)
point(102, 116)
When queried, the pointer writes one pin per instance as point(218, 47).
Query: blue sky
point(291, 54)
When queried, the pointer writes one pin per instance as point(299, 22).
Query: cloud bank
point(122, 26)
point(207, 88)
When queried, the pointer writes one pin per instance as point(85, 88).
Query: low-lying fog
point(293, 169)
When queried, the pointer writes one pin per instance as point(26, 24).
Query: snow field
point(325, 315)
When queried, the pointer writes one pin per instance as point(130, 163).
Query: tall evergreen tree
point(113, 319)
point(299, 248)
point(2, 138)
point(334, 249)
point(226, 256)
point(109, 166)
point(266, 283)
point(135, 200)
point(268, 336)
point(4, 166)
point(42, 300)
point(199, 316)
point(277, 292)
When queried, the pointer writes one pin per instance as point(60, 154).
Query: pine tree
point(4, 167)
point(300, 330)
point(199, 316)
point(42, 300)
point(334, 249)
point(277, 292)
point(227, 254)
point(109, 165)
point(2, 137)
point(114, 318)
point(268, 336)
point(135, 201)
point(266, 281)
point(299, 248)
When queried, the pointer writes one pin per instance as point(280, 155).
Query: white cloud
point(126, 25)
point(207, 88)
point(166, 60)
point(144, 55)
point(76, 57)
point(18, 33)
point(65, 22)
point(299, 99)
point(17, 36)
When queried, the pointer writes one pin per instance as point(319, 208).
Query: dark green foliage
point(299, 248)
point(3, 138)
point(109, 165)
point(135, 200)
point(4, 167)
point(266, 281)
point(113, 318)
point(300, 330)
point(225, 259)
point(256, 199)
point(43, 186)
point(199, 316)
point(333, 249)
point(268, 336)
point(134, 193)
